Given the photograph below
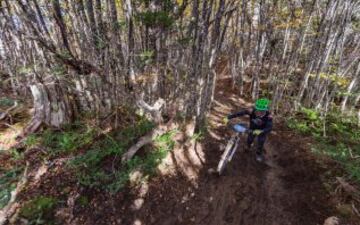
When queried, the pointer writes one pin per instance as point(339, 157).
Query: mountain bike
point(232, 146)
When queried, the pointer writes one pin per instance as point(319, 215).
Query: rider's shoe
point(259, 156)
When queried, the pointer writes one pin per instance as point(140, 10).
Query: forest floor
point(293, 186)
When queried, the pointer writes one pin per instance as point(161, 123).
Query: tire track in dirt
point(257, 194)
point(248, 193)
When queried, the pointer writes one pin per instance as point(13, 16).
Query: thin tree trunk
point(350, 88)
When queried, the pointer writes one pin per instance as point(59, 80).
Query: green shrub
point(31, 141)
point(102, 149)
point(83, 201)
point(15, 154)
point(66, 141)
point(341, 130)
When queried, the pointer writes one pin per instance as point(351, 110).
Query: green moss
point(68, 140)
point(83, 201)
point(6, 102)
point(8, 181)
point(31, 141)
point(39, 210)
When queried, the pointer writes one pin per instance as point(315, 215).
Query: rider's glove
point(257, 132)
point(225, 120)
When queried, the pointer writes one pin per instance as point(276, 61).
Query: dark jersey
point(262, 123)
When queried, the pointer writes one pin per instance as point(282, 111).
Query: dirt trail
point(285, 191)
point(289, 191)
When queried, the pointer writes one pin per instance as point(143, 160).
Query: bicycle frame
point(231, 147)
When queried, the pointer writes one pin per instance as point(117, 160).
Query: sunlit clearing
point(137, 222)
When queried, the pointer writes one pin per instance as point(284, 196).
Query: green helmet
point(262, 104)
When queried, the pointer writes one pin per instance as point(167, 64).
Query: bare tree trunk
point(130, 78)
point(255, 76)
point(52, 106)
point(350, 88)
point(61, 24)
point(91, 19)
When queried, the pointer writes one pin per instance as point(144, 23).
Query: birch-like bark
point(350, 88)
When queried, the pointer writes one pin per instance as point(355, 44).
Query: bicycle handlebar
point(240, 128)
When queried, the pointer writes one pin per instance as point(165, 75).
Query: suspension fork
point(235, 146)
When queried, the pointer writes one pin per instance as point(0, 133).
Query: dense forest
point(98, 56)
point(99, 81)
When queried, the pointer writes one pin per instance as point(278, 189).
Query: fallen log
point(145, 140)
point(155, 114)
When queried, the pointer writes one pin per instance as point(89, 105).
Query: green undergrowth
point(39, 210)
point(101, 167)
point(337, 136)
point(8, 182)
point(6, 102)
point(67, 140)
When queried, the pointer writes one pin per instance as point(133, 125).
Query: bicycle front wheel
point(225, 156)
point(221, 166)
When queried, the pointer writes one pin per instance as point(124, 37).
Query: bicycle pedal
point(260, 158)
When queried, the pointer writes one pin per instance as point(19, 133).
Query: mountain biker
point(260, 124)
